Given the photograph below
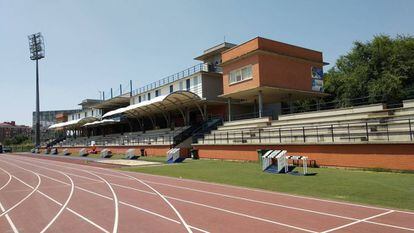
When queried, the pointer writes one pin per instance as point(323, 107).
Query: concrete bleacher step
point(246, 123)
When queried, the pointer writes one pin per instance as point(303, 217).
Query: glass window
point(247, 72)
point(149, 96)
point(187, 84)
point(139, 99)
point(157, 93)
point(171, 88)
point(195, 81)
point(240, 74)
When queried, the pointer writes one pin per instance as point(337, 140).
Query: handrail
point(363, 130)
point(174, 77)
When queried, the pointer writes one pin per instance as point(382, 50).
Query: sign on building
point(317, 79)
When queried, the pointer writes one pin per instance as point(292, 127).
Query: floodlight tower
point(37, 52)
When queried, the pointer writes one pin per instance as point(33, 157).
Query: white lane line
point(101, 169)
point(361, 220)
point(25, 198)
point(254, 201)
point(106, 197)
point(115, 199)
point(242, 214)
point(60, 204)
point(228, 196)
point(72, 188)
point(8, 181)
point(216, 208)
point(354, 219)
point(234, 187)
point(55, 201)
point(14, 229)
point(187, 227)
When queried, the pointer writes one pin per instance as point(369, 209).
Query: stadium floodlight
point(37, 52)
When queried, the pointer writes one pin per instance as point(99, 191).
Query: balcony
point(177, 76)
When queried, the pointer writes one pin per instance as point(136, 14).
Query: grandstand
point(371, 123)
point(240, 99)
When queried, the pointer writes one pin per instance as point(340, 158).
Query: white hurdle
point(304, 162)
point(279, 155)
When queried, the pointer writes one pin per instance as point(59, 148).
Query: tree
point(382, 70)
point(16, 140)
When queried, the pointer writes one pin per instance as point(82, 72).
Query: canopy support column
point(260, 104)
point(229, 108)
point(205, 111)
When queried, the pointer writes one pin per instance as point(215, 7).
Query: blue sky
point(94, 45)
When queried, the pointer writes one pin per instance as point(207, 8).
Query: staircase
point(197, 131)
point(56, 141)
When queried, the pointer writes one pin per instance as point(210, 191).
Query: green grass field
point(389, 189)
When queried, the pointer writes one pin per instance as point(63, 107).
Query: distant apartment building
point(48, 118)
point(9, 130)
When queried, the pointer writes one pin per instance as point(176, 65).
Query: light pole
point(37, 52)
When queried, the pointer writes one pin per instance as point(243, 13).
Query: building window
point(171, 88)
point(157, 93)
point(187, 84)
point(86, 114)
point(92, 112)
point(149, 96)
point(139, 99)
point(78, 115)
point(73, 117)
point(195, 81)
point(240, 74)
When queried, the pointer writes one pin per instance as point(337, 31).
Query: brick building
point(9, 130)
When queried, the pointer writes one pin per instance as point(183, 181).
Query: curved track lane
point(148, 203)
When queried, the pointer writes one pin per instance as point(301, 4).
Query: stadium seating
point(373, 123)
point(153, 137)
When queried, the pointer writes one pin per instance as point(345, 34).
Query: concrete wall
point(213, 86)
point(390, 156)
point(151, 150)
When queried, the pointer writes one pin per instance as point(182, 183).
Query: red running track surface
point(43, 195)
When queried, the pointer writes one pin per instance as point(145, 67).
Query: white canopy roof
point(102, 122)
point(157, 104)
point(72, 123)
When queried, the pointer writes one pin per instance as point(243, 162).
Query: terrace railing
point(395, 130)
point(172, 78)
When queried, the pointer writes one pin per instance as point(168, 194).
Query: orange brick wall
point(244, 85)
point(274, 64)
point(390, 156)
point(285, 73)
point(289, 50)
point(150, 150)
point(240, 50)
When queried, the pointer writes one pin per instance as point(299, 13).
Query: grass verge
point(388, 189)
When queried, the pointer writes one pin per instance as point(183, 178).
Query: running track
point(39, 195)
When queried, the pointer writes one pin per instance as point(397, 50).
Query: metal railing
point(172, 78)
point(115, 92)
point(127, 139)
point(396, 130)
point(311, 108)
